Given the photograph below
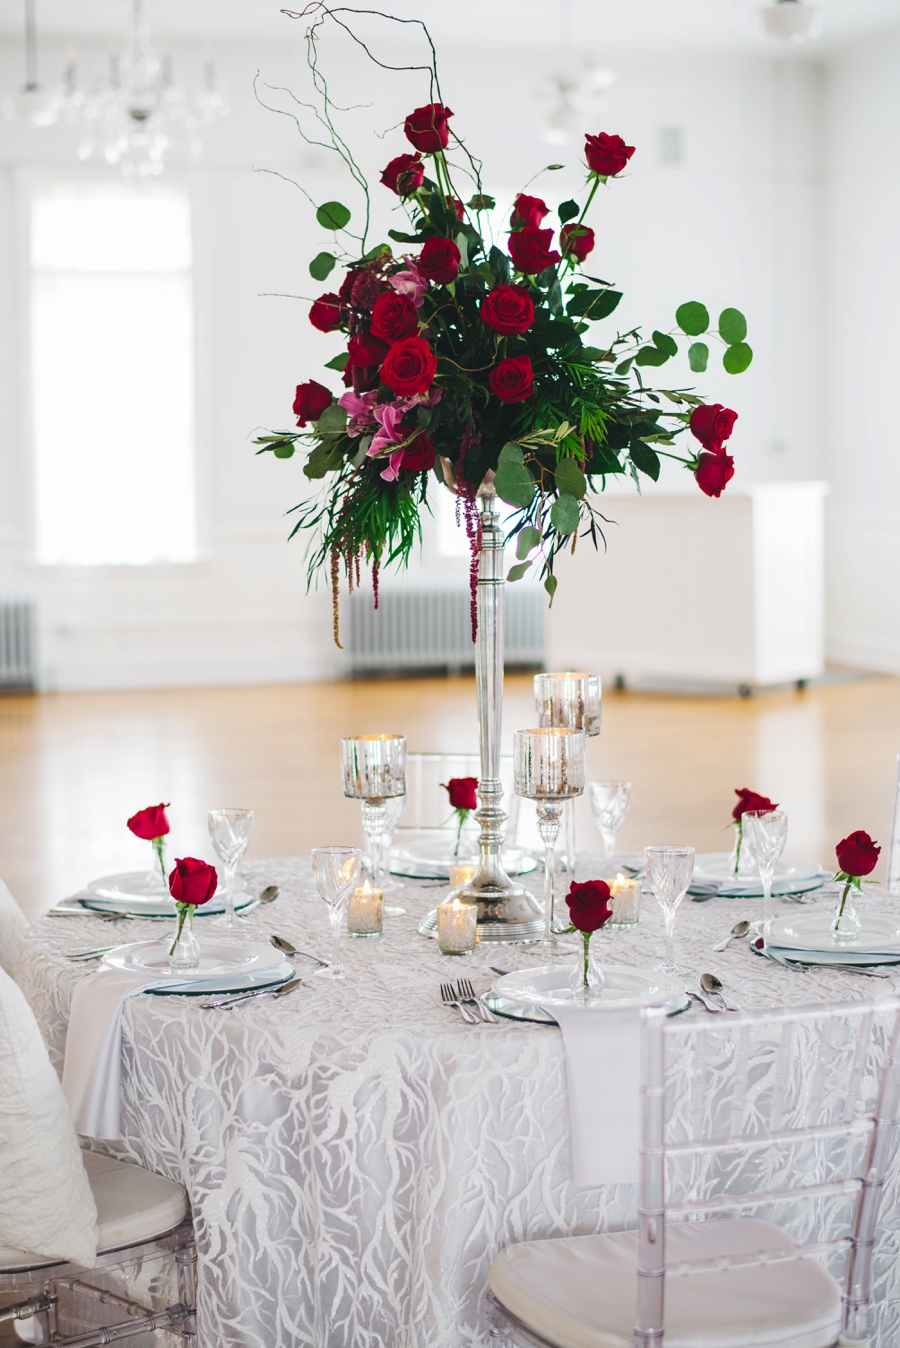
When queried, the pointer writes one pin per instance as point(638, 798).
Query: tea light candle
point(461, 875)
point(364, 911)
point(457, 925)
point(626, 905)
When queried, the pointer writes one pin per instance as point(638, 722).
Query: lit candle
point(626, 904)
point(460, 875)
point(364, 911)
point(457, 925)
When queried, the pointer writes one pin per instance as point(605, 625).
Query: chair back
point(792, 1109)
point(12, 929)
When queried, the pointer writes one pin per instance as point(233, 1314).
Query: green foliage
point(663, 342)
point(732, 326)
point(481, 203)
point(644, 458)
point(514, 484)
point(570, 478)
point(517, 572)
point(737, 358)
point(593, 304)
point(333, 215)
point(692, 318)
point(568, 210)
point(338, 362)
point(333, 421)
point(528, 539)
point(550, 584)
point(511, 453)
point(564, 514)
point(698, 356)
point(322, 265)
point(283, 451)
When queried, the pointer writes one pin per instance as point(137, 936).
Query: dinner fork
point(90, 954)
point(467, 993)
point(449, 998)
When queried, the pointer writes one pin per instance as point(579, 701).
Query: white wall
point(737, 223)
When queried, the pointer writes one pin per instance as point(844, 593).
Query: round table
point(354, 1153)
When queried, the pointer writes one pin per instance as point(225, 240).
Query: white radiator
point(18, 664)
point(430, 629)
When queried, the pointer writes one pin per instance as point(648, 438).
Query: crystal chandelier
point(576, 92)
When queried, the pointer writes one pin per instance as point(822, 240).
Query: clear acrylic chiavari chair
point(788, 1115)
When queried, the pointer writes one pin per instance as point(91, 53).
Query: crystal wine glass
point(374, 772)
point(765, 833)
point(669, 871)
point(336, 870)
point(570, 702)
point(609, 806)
point(230, 834)
point(385, 880)
point(549, 769)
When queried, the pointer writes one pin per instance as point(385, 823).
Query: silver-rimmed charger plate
point(219, 957)
point(267, 978)
point(792, 876)
point(536, 1015)
point(428, 854)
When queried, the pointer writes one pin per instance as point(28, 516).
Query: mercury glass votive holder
point(549, 769)
point(461, 875)
point(626, 902)
point(457, 927)
point(374, 767)
point(364, 912)
point(568, 701)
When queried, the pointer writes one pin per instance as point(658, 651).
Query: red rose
point(714, 472)
point(712, 424)
point(589, 905)
point(530, 249)
point(857, 854)
point(346, 289)
point(527, 211)
point(326, 313)
point(513, 379)
point(577, 240)
point(366, 350)
point(508, 310)
point(310, 402)
point(461, 791)
point(606, 155)
point(394, 316)
point(152, 822)
point(455, 205)
point(420, 456)
point(439, 260)
point(404, 175)
point(409, 367)
point(750, 800)
point(192, 881)
point(427, 128)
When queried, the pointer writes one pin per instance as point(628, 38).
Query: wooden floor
point(74, 766)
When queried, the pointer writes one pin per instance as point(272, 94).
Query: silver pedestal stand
point(506, 911)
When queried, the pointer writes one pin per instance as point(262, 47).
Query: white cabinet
point(697, 590)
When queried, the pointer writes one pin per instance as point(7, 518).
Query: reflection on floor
point(74, 766)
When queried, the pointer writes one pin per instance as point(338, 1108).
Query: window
point(112, 374)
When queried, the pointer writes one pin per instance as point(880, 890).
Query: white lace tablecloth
point(356, 1155)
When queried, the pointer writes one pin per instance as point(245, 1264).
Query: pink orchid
point(411, 283)
point(359, 409)
point(388, 416)
point(392, 472)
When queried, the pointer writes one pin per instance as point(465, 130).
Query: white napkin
point(603, 1069)
point(93, 1063)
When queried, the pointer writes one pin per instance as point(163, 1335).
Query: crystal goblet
point(549, 769)
point(669, 871)
point(230, 833)
point(374, 772)
point(336, 871)
point(609, 806)
point(569, 702)
point(765, 833)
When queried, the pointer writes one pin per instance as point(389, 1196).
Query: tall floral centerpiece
point(476, 354)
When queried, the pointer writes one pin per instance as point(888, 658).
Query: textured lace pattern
point(354, 1153)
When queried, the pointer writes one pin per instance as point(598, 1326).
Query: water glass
point(393, 812)
point(374, 772)
point(609, 806)
point(336, 871)
point(230, 833)
point(765, 833)
point(669, 871)
point(568, 702)
point(549, 769)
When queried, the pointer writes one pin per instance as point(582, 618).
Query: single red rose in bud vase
point(191, 883)
point(857, 856)
point(590, 909)
point(152, 826)
point(747, 800)
point(463, 799)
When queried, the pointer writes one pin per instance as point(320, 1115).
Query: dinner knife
point(281, 991)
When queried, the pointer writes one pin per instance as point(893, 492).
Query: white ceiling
point(595, 24)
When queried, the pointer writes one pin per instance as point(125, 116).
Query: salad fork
point(449, 998)
point(467, 994)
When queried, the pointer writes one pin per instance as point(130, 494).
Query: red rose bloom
point(589, 905)
point(192, 881)
point(393, 317)
point(606, 155)
point(750, 800)
point(404, 175)
point(461, 791)
point(712, 424)
point(346, 289)
point(513, 379)
point(427, 128)
point(152, 822)
point(310, 402)
point(857, 854)
point(714, 472)
point(577, 241)
point(508, 310)
point(527, 211)
point(326, 313)
point(530, 249)
point(366, 350)
point(420, 456)
point(439, 260)
point(409, 367)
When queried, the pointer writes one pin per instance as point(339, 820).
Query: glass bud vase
point(184, 952)
point(740, 860)
point(587, 976)
point(845, 926)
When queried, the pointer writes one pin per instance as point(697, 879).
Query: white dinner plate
point(201, 987)
point(792, 876)
point(143, 886)
point(161, 907)
point(427, 854)
point(217, 956)
point(547, 986)
point(811, 932)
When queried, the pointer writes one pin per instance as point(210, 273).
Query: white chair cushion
point(12, 929)
point(46, 1204)
point(581, 1292)
point(133, 1206)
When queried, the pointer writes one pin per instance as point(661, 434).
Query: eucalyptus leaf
point(698, 356)
point(663, 342)
point(650, 355)
point(570, 478)
point(737, 358)
point(528, 538)
point(564, 514)
point(644, 458)
point(511, 453)
point(550, 584)
point(518, 571)
point(732, 326)
point(283, 450)
point(568, 211)
point(481, 203)
point(692, 318)
point(322, 265)
point(333, 420)
point(333, 215)
point(624, 366)
point(514, 484)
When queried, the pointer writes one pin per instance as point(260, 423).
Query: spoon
point(287, 949)
point(268, 894)
point(739, 929)
point(709, 983)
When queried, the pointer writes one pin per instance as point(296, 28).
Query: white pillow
point(12, 929)
point(46, 1204)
